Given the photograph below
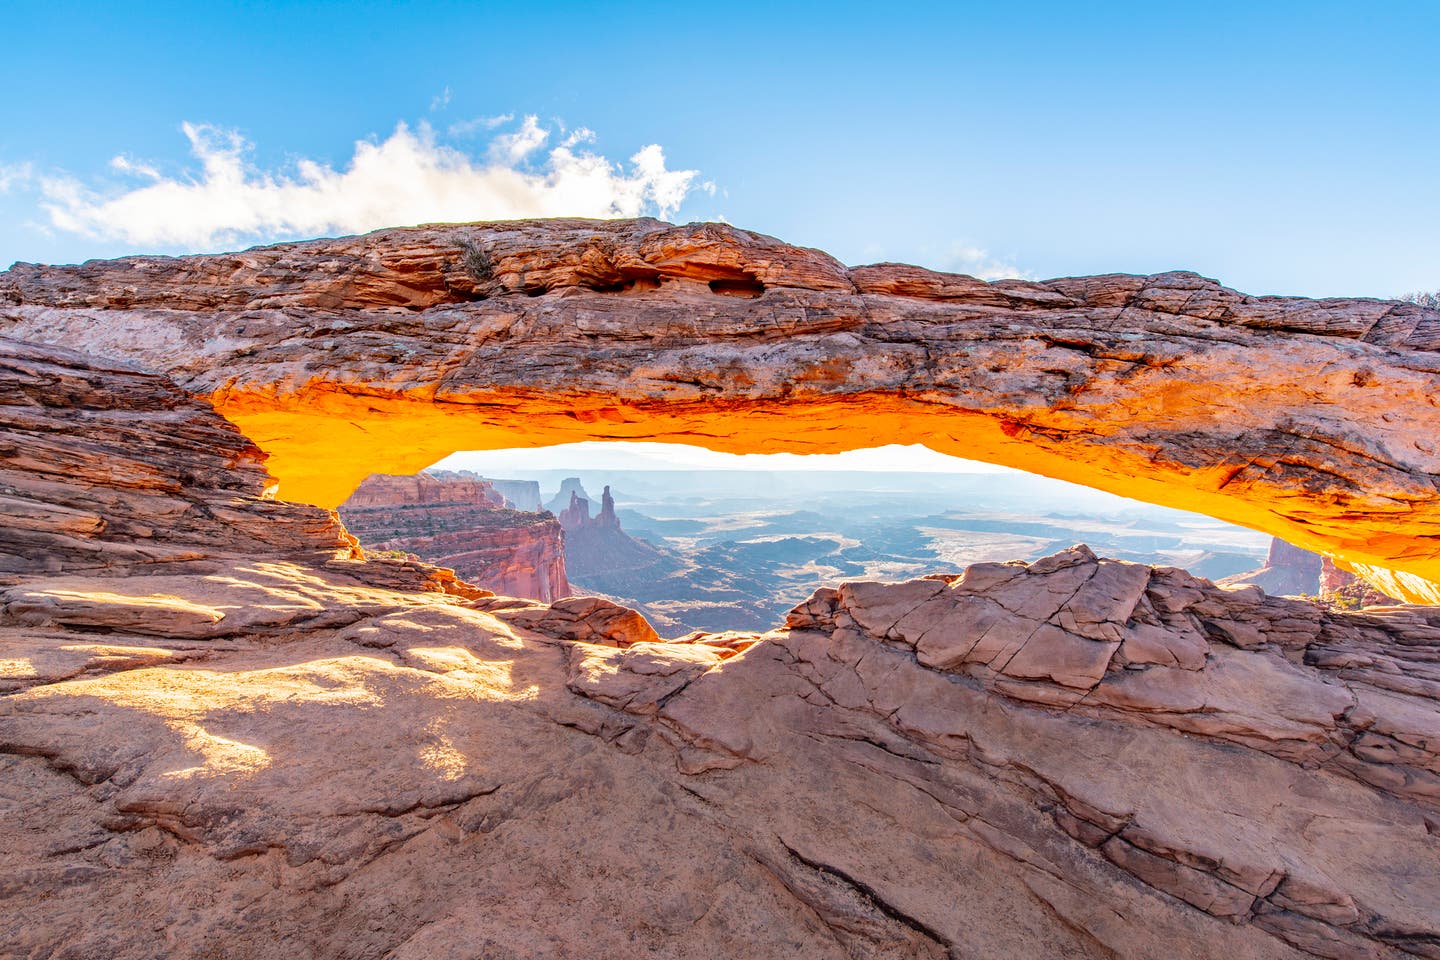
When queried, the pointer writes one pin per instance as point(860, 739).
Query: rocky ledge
point(1314, 420)
point(1078, 757)
point(222, 730)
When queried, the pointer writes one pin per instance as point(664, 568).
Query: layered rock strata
point(109, 470)
point(518, 494)
point(1287, 571)
point(225, 730)
point(459, 521)
point(1314, 420)
point(1342, 586)
point(276, 747)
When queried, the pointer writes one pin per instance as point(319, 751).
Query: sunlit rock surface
point(223, 733)
point(1314, 420)
point(110, 471)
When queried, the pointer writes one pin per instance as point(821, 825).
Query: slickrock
point(1314, 420)
point(224, 731)
point(589, 619)
point(435, 777)
point(459, 521)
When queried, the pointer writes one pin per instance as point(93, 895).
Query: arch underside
point(1315, 421)
point(321, 444)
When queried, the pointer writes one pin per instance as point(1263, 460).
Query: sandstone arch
point(1315, 420)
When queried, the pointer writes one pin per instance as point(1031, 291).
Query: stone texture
point(111, 471)
point(592, 620)
point(224, 731)
point(1343, 586)
point(415, 775)
point(460, 521)
point(1311, 419)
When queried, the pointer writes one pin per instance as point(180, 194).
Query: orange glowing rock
point(1314, 420)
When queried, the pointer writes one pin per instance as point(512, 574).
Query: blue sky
point(1281, 147)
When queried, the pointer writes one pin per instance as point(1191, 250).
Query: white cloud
point(404, 179)
point(468, 128)
point(440, 101)
point(124, 164)
point(980, 263)
point(511, 148)
point(579, 135)
point(13, 175)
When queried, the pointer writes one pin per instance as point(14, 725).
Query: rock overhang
point(1314, 420)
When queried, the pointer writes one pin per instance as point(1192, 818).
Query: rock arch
point(1314, 420)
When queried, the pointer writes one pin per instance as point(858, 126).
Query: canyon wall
point(1314, 420)
point(519, 494)
point(1287, 571)
point(459, 521)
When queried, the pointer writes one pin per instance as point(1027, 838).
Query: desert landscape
point(497, 481)
point(728, 550)
point(224, 722)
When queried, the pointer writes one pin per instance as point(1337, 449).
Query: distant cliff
point(602, 555)
point(458, 520)
point(519, 494)
point(569, 490)
point(603, 558)
point(1288, 571)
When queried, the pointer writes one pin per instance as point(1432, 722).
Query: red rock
point(1276, 413)
point(1287, 571)
point(219, 724)
point(460, 521)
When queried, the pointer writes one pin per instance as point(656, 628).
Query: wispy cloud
point(407, 178)
point(13, 175)
point(510, 149)
point(468, 128)
point(980, 263)
point(441, 100)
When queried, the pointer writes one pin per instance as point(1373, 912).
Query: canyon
point(1287, 571)
point(463, 523)
point(225, 729)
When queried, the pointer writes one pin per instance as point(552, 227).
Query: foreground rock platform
point(1078, 757)
point(1314, 420)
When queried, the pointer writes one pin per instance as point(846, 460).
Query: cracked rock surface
point(430, 779)
point(216, 745)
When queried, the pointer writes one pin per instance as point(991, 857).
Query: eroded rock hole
point(745, 287)
point(629, 281)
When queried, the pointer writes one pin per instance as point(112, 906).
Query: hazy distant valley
point(734, 550)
